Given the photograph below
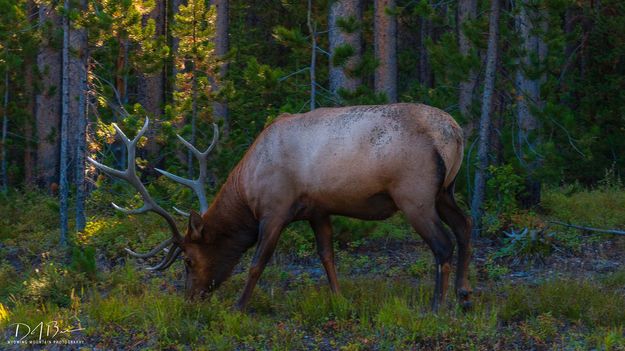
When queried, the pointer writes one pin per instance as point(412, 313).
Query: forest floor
point(553, 289)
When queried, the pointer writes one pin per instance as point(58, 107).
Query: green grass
point(383, 305)
point(602, 207)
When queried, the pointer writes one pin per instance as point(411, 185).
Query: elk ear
point(196, 225)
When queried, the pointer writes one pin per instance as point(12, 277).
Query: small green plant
point(614, 340)
point(83, 260)
point(52, 284)
point(420, 268)
point(542, 328)
point(315, 307)
point(527, 244)
point(298, 240)
point(495, 271)
point(394, 314)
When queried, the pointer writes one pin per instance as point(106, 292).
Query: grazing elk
point(364, 162)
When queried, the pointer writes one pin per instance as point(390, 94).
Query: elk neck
point(231, 221)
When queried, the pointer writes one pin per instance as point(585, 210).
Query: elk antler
point(130, 175)
point(197, 185)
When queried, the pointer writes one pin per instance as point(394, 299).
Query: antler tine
point(167, 261)
point(106, 169)
point(134, 141)
point(152, 252)
point(142, 209)
point(181, 212)
point(197, 185)
point(130, 176)
point(214, 141)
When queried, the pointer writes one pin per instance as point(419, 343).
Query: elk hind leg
point(428, 225)
point(460, 225)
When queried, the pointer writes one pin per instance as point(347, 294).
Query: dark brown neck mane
point(231, 224)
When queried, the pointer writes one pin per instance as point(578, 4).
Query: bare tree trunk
point(63, 164)
point(313, 57)
point(341, 77)
point(467, 11)
point(80, 68)
point(485, 118)
point(48, 104)
point(5, 125)
point(385, 47)
point(151, 86)
point(175, 44)
point(29, 92)
point(528, 98)
point(220, 109)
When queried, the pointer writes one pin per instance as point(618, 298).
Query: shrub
point(52, 284)
point(420, 268)
point(504, 187)
point(83, 260)
point(527, 244)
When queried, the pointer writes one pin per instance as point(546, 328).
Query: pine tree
point(196, 62)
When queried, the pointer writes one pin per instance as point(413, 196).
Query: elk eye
point(188, 261)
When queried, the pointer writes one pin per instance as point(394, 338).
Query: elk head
point(197, 247)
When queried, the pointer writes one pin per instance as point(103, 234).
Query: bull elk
point(365, 162)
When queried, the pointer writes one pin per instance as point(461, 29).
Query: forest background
point(538, 87)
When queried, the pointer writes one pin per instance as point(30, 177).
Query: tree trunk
point(80, 69)
point(175, 44)
point(77, 70)
point(313, 57)
point(487, 101)
point(220, 109)
point(5, 125)
point(29, 92)
point(151, 86)
point(48, 104)
point(528, 98)
point(341, 77)
point(63, 164)
point(467, 11)
point(385, 47)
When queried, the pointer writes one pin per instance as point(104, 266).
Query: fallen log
point(590, 229)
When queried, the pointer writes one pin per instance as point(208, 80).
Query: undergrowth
point(112, 302)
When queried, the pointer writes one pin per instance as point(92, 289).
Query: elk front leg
point(322, 227)
point(268, 235)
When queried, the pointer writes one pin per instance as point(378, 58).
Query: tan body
point(351, 161)
point(365, 162)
